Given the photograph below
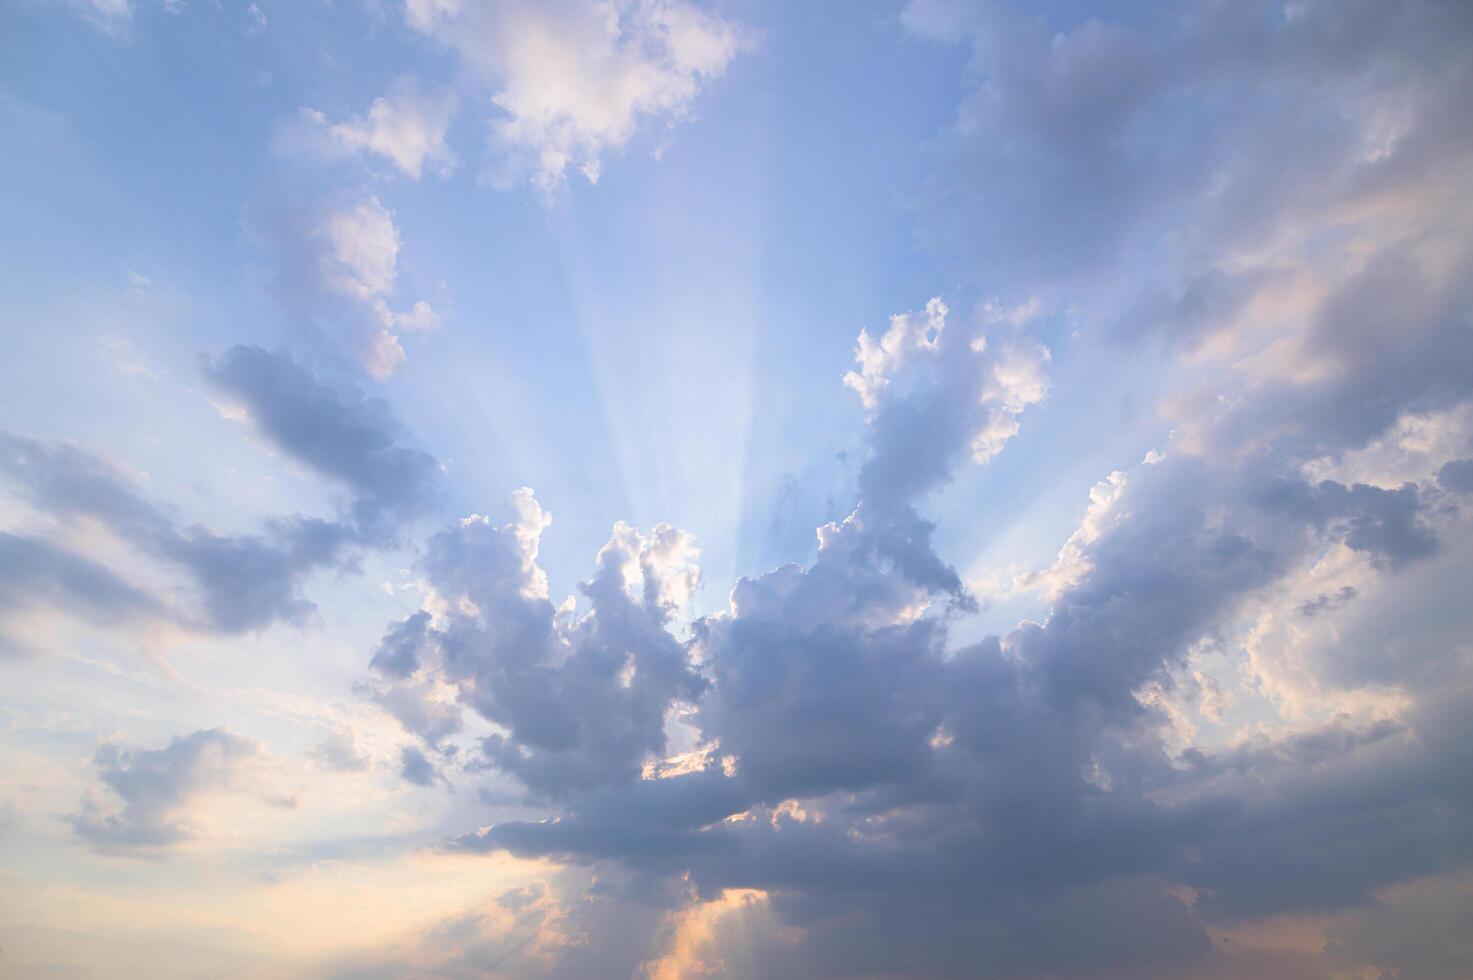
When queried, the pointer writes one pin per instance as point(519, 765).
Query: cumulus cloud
point(573, 80)
point(910, 806)
point(335, 267)
point(578, 701)
point(907, 806)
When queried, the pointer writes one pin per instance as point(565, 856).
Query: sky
point(736, 488)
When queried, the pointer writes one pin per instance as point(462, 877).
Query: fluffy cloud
point(406, 127)
point(578, 701)
point(572, 80)
point(335, 268)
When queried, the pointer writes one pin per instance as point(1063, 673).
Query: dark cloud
point(581, 702)
point(336, 430)
point(1387, 525)
point(415, 767)
point(399, 654)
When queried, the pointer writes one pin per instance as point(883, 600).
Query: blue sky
point(659, 488)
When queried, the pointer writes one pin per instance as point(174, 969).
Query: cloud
point(335, 430)
point(415, 768)
point(1133, 771)
point(578, 701)
point(1322, 602)
point(1419, 930)
point(242, 582)
point(1243, 700)
point(35, 572)
point(525, 931)
point(407, 127)
point(1457, 475)
point(403, 647)
point(335, 268)
point(155, 788)
point(239, 582)
point(573, 80)
point(914, 806)
point(362, 250)
point(339, 752)
point(934, 392)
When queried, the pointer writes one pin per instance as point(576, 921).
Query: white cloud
point(363, 250)
point(1019, 379)
point(421, 317)
point(361, 262)
point(574, 79)
point(909, 355)
point(883, 359)
point(383, 356)
point(407, 126)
